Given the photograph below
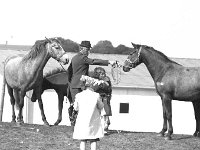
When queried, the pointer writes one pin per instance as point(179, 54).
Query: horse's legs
point(164, 129)
point(12, 101)
point(16, 94)
point(60, 107)
point(22, 94)
point(167, 115)
point(37, 96)
point(168, 105)
point(42, 111)
point(196, 105)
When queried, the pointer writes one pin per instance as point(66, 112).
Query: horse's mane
point(36, 49)
point(54, 71)
point(160, 53)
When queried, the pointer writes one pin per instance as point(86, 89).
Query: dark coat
point(79, 66)
point(105, 92)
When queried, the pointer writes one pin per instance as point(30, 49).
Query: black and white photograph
point(99, 75)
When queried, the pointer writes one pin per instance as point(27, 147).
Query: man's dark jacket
point(79, 66)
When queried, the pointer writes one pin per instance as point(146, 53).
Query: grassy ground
point(39, 137)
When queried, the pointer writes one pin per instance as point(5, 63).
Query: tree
point(103, 47)
point(69, 45)
point(121, 49)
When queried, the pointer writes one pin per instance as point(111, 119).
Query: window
point(124, 108)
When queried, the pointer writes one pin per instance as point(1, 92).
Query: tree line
point(102, 47)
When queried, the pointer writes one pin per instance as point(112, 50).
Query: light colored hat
point(90, 82)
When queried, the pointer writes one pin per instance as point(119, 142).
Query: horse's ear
point(57, 40)
point(48, 40)
point(134, 45)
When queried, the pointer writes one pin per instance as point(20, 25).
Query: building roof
point(138, 77)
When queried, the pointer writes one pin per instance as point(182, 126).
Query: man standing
point(79, 66)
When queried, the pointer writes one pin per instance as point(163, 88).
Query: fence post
point(2, 103)
point(29, 108)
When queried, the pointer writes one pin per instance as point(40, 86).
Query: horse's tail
point(2, 93)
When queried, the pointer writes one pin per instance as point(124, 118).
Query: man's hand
point(112, 62)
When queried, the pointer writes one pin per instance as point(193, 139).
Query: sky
point(170, 26)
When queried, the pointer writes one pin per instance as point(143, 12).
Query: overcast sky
point(170, 26)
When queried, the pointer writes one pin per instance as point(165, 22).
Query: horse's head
point(133, 58)
point(56, 51)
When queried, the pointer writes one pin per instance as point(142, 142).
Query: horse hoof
point(195, 134)
point(56, 123)
point(13, 121)
point(19, 124)
point(47, 124)
point(168, 138)
point(198, 135)
point(160, 135)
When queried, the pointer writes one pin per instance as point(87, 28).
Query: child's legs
point(82, 145)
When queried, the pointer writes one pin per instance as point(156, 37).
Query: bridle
point(132, 63)
point(57, 58)
point(52, 54)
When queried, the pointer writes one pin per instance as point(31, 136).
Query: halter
point(137, 60)
point(57, 58)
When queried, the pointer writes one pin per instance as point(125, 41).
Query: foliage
point(102, 47)
point(121, 49)
point(69, 45)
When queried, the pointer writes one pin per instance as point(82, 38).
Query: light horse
point(172, 81)
point(56, 79)
point(24, 73)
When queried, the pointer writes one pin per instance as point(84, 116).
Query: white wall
point(145, 113)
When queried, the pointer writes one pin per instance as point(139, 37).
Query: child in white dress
point(89, 105)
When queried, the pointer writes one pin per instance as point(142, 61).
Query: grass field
point(39, 137)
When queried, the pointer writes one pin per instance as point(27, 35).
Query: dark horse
point(23, 73)
point(172, 81)
point(56, 79)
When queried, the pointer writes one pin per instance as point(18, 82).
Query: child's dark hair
point(97, 70)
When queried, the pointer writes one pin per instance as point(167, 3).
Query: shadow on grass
point(109, 132)
point(183, 137)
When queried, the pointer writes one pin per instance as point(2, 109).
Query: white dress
point(88, 123)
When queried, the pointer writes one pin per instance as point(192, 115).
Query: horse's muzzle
point(64, 59)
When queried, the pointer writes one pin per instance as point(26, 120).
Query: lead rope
point(116, 72)
point(62, 67)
